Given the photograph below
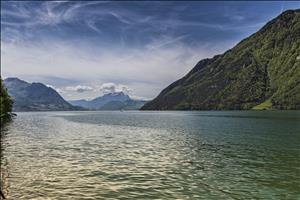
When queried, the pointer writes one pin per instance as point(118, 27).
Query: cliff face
point(263, 70)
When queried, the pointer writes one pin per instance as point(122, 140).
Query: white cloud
point(112, 87)
point(79, 88)
point(56, 89)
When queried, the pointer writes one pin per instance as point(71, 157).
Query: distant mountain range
point(111, 101)
point(39, 97)
point(260, 72)
point(35, 97)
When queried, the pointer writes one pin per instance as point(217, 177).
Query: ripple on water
point(180, 156)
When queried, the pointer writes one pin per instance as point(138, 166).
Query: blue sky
point(84, 49)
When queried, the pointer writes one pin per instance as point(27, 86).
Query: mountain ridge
point(35, 96)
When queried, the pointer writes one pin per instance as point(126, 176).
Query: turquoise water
point(152, 155)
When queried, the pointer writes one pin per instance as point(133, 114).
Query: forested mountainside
point(260, 72)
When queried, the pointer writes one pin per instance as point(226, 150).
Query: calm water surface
point(152, 155)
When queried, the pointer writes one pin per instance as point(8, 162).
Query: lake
point(152, 155)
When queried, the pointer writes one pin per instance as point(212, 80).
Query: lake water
point(152, 155)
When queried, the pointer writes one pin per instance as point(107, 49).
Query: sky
point(84, 49)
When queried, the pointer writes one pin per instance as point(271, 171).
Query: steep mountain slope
point(263, 69)
point(111, 101)
point(35, 96)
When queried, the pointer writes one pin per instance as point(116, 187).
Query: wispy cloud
point(79, 88)
point(92, 13)
point(120, 18)
point(47, 13)
point(92, 25)
point(56, 89)
point(162, 42)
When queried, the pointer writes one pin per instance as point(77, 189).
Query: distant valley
point(110, 101)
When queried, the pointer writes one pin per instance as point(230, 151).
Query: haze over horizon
point(86, 49)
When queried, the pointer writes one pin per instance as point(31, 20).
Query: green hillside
point(261, 72)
